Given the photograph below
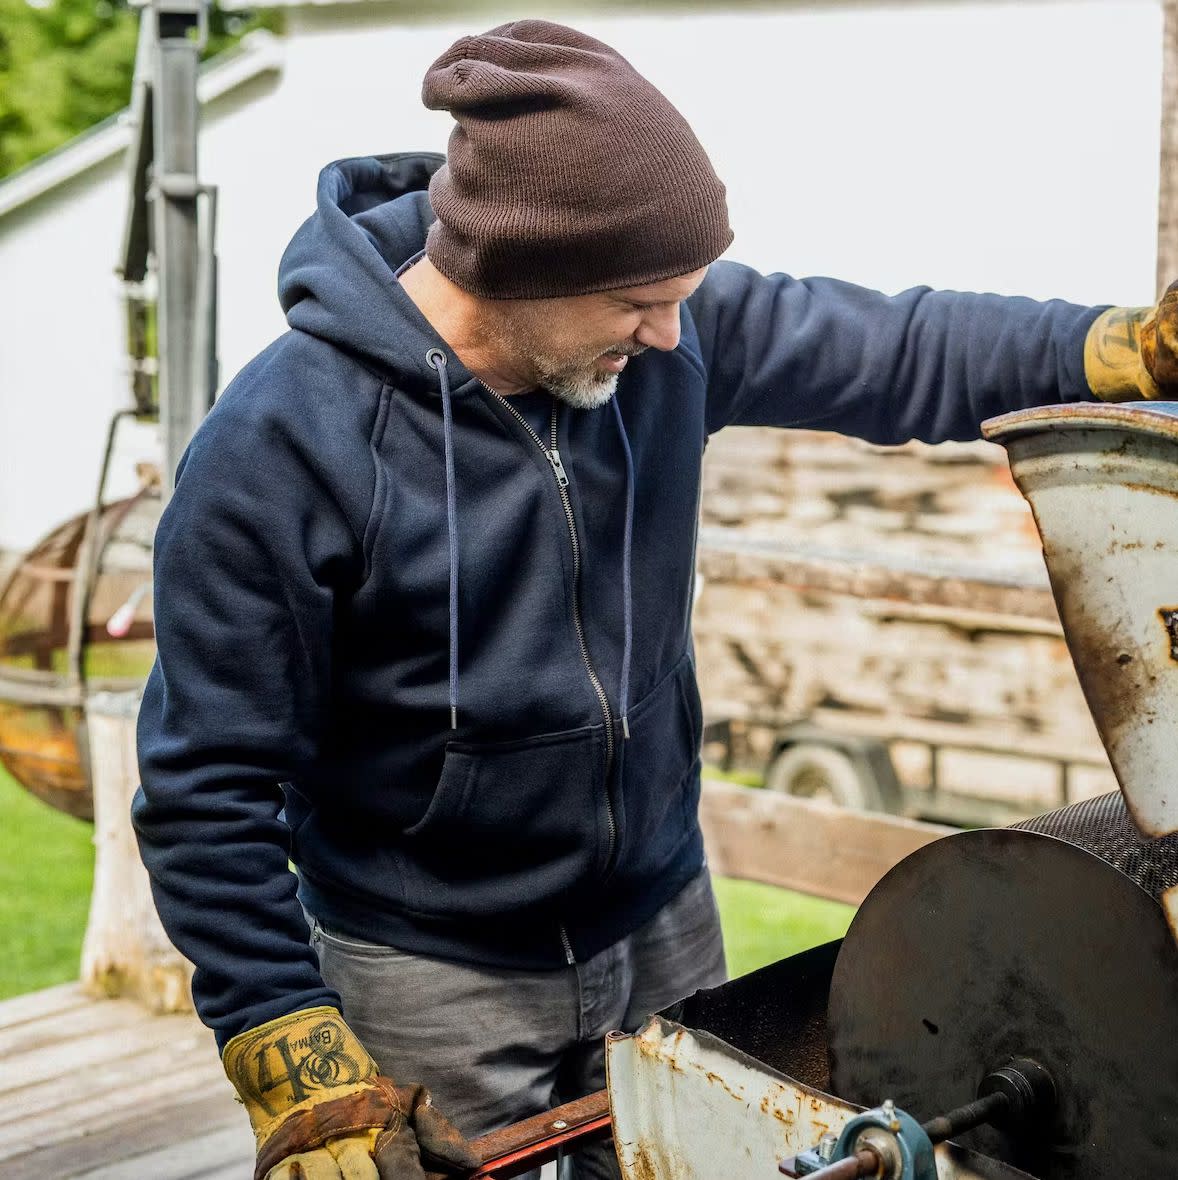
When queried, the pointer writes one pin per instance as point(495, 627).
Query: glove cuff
point(367, 1106)
point(303, 1059)
point(1113, 363)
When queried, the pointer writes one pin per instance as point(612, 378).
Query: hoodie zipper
point(569, 957)
point(552, 454)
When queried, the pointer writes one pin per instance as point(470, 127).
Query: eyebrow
point(650, 302)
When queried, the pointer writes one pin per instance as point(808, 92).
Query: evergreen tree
point(66, 65)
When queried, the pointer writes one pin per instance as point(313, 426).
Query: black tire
point(811, 770)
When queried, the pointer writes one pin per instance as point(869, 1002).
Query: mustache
point(626, 350)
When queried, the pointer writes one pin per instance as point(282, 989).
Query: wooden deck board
point(104, 1090)
point(189, 1138)
point(224, 1150)
point(116, 1094)
point(49, 1061)
point(54, 1028)
point(49, 1001)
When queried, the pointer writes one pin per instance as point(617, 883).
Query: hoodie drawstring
point(627, 590)
point(436, 359)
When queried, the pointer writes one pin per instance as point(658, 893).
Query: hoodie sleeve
point(247, 557)
point(929, 365)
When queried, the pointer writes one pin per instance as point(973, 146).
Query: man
point(425, 585)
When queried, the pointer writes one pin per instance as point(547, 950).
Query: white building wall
point(60, 365)
point(983, 145)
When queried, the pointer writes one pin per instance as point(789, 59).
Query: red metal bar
point(523, 1146)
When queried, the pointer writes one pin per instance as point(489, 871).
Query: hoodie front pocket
point(660, 770)
point(512, 825)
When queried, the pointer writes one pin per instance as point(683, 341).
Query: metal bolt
point(826, 1146)
point(888, 1110)
point(559, 1125)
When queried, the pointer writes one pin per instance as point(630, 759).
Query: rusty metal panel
point(1102, 482)
point(687, 1106)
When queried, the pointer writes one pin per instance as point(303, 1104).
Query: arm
point(923, 364)
point(244, 560)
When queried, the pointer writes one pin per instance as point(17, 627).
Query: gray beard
point(582, 391)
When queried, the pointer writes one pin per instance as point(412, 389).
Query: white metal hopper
point(1102, 482)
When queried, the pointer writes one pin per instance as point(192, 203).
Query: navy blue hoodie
point(300, 706)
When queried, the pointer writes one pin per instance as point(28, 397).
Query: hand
point(321, 1111)
point(1132, 352)
point(1159, 344)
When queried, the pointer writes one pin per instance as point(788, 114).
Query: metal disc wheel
point(813, 771)
point(1017, 942)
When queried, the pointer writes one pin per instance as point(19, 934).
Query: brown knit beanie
point(568, 172)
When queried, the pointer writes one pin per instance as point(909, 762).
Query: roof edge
point(259, 52)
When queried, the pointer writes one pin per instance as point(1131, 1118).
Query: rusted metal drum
point(75, 617)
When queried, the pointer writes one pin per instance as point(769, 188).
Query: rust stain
point(1169, 901)
point(642, 1167)
point(716, 1079)
point(663, 1051)
point(1115, 681)
point(1169, 617)
point(1153, 489)
point(1132, 415)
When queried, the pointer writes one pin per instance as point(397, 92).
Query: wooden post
point(1167, 270)
point(125, 952)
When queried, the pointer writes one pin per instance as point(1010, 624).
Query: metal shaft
point(967, 1117)
point(854, 1167)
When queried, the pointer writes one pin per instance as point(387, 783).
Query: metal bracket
point(885, 1142)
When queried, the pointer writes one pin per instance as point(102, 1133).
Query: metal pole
point(180, 29)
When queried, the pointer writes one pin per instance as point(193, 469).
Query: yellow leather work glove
point(1132, 352)
point(321, 1111)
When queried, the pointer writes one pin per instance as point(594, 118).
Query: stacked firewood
point(891, 591)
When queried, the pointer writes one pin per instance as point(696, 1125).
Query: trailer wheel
point(810, 770)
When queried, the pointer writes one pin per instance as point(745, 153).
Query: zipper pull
point(554, 458)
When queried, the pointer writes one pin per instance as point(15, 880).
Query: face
point(577, 347)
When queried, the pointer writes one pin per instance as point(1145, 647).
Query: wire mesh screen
point(1104, 827)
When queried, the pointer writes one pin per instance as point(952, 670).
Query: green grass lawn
point(47, 861)
point(763, 924)
point(46, 865)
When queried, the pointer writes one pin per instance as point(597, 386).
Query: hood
point(337, 281)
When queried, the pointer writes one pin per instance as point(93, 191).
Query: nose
point(660, 328)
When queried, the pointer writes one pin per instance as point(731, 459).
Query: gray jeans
point(495, 1046)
